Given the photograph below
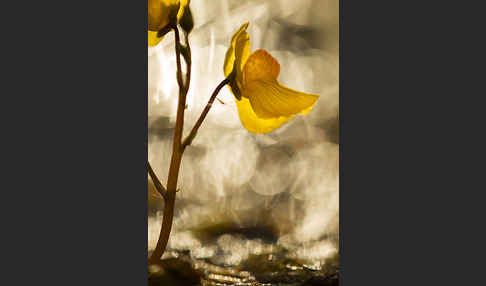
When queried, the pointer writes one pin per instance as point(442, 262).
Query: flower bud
point(187, 22)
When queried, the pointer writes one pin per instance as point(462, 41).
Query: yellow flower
point(159, 12)
point(263, 103)
point(153, 40)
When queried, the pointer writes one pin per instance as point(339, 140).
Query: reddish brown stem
point(158, 185)
point(178, 147)
point(175, 162)
point(188, 140)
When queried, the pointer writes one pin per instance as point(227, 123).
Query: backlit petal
point(184, 4)
point(271, 99)
point(260, 66)
point(238, 51)
point(267, 96)
point(159, 10)
point(158, 14)
point(255, 124)
point(152, 39)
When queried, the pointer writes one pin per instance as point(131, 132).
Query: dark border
point(75, 208)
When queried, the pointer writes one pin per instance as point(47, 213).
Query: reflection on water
point(237, 261)
point(252, 207)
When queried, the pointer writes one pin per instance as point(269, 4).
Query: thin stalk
point(188, 140)
point(178, 146)
point(175, 163)
point(158, 185)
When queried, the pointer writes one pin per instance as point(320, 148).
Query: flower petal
point(269, 98)
point(184, 4)
point(159, 10)
point(153, 40)
point(158, 14)
point(255, 124)
point(238, 52)
point(260, 66)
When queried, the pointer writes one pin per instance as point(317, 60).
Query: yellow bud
point(187, 21)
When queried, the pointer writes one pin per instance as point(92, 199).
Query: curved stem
point(158, 185)
point(175, 163)
point(188, 140)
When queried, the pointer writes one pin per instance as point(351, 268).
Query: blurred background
point(246, 198)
